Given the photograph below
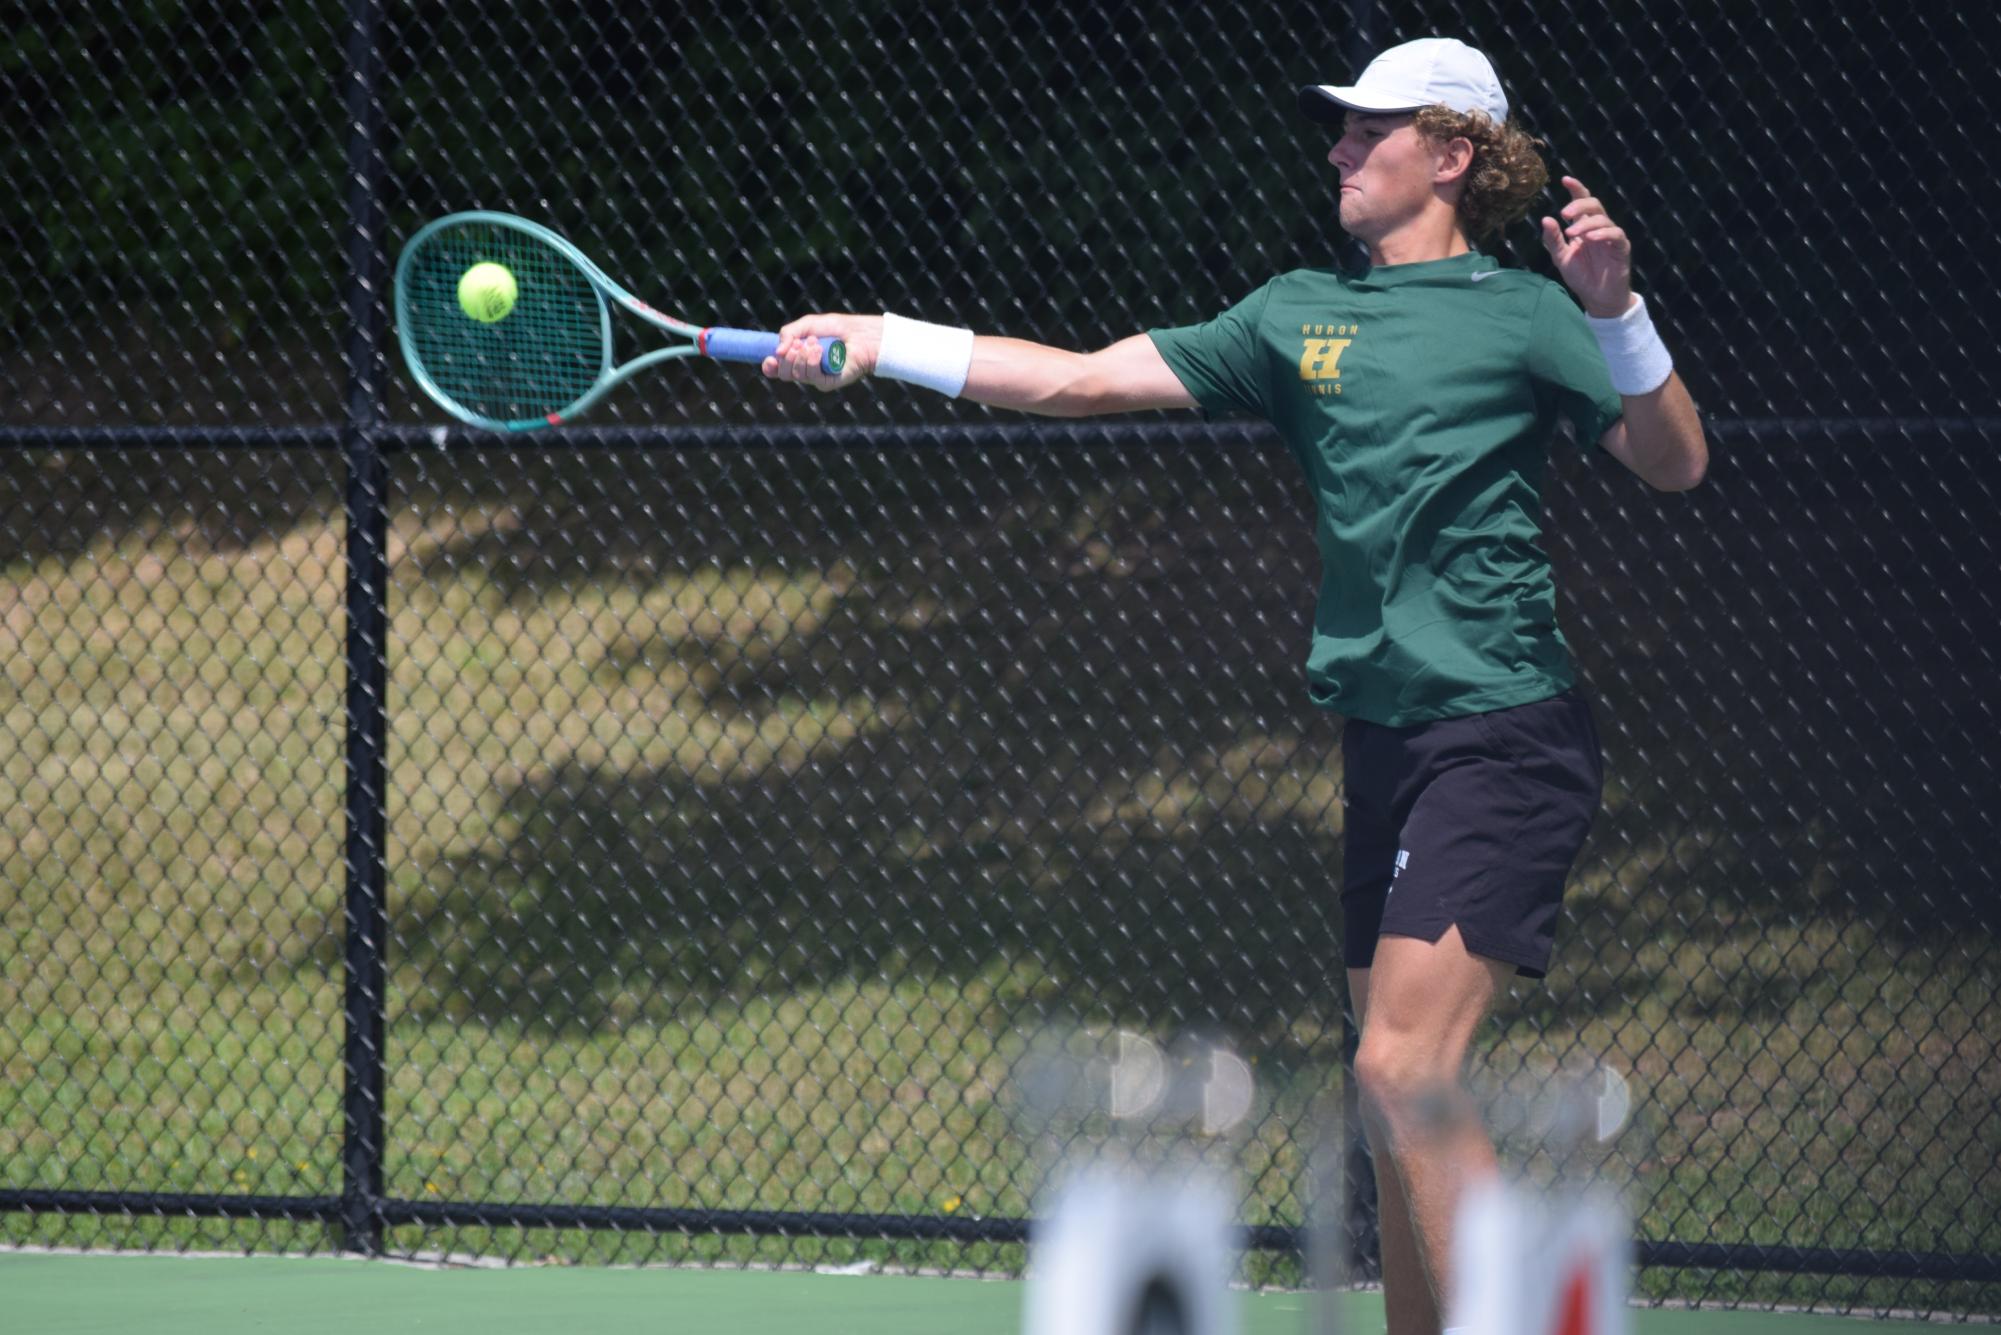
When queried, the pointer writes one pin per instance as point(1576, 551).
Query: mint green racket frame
point(550, 357)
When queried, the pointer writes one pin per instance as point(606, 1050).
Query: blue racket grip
point(754, 345)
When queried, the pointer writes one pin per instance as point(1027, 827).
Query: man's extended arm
point(1128, 376)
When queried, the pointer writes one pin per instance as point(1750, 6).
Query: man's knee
point(1406, 1087)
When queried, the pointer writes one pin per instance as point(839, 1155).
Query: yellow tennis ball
point(487, 292)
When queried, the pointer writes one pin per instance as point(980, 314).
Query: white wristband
point(935, 356)
point(1634, 353)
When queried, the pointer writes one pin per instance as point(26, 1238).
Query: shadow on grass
point(62, 502)
point(1079, 748)
point(655, 886)
point(1056, 654)
point(1065, 637)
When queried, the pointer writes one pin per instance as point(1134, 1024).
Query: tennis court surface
point(60, 1294)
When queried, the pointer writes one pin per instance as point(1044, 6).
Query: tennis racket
point(548, 357)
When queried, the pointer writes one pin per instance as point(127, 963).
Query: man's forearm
point(1028, 377)
point(1664, 440)
point(1128, 376)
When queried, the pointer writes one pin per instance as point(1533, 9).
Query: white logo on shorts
point(1403, 860)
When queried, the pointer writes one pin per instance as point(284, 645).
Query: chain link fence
point(665, 839)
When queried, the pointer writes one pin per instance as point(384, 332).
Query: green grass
point(698, 900)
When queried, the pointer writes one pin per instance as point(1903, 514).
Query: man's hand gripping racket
point(800, 354)
point(508, 326)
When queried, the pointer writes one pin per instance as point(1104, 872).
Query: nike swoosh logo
point(1487, 273)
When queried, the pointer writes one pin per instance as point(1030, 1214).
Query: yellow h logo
point(1322, 358)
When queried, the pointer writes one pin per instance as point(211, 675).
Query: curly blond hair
point(1507, 172)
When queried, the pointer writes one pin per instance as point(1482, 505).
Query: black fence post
point(366, 865)
point(1364, 1240)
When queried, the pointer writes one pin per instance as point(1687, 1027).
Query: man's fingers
point(1552, 236)
point(797, 358)
point(806, 359)
point(1605, 243)
point(804, 341)
point(806, 326)
point(1597, 222)
point(1584, 214)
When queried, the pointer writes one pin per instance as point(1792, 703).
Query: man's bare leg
point(1407, 1300)
point(1419, 1005)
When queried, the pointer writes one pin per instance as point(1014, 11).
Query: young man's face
point(1387, 171)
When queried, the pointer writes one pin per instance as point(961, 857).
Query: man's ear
point(1455, 159)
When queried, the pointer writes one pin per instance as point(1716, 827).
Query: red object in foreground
point(1574, 1317)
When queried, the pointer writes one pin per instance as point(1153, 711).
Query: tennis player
point(1421, 395)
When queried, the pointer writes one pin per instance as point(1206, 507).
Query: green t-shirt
point(1421, 400)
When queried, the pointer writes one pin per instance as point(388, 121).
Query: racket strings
point(539, 359)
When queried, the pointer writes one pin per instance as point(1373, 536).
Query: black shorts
point(1472, 822)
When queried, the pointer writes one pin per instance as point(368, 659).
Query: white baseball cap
point(1431, 71)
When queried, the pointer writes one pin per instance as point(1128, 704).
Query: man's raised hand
point(1593, 254)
